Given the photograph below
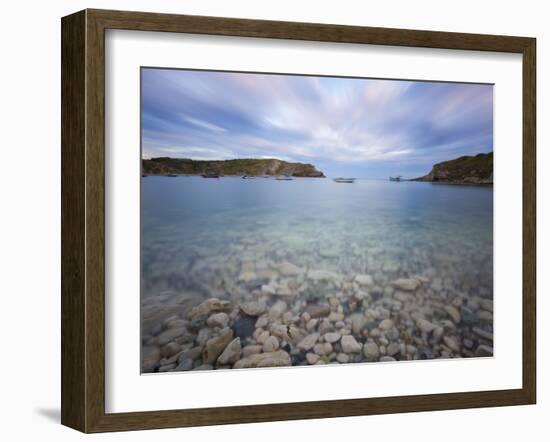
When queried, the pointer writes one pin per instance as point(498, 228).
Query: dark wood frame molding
point(83, 218)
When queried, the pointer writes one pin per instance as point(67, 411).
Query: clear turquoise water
point(380, 227)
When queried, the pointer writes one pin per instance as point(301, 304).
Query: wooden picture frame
point(83, 219)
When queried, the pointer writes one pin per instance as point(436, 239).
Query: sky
point(362, 128)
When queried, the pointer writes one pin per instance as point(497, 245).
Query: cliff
point(255, 167)
point(464, 170)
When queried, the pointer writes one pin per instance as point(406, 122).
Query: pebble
point(218, 320)
point(393, 349)
point(279, 358)
point(312, 358)
point(208, 306)
point(342, 358)
point(170, 334)
point(387, 359)
point(322, 349)
point(332, 337)
point(425, 326)
point(386, 324)
point(231, 354)
point(358, 321)
point(407, 284)
point(251, 350)
point(484, 351)
point(452, 343)
point(246, 276)
point(288, 269)
point(243, 327)
point(270, 344)
point(253, 308)
point(318, 310)
point(150, 357)
point(165, 368)
point(350, 345)
point(216, 345)
point(193, 353)
point(170, 349)
point(482, 333)
point(277, 310)
point(453, 313)
point(308, 342)
point(185, 364)
point(364, 280)
point(371, 352)
point(311, 324)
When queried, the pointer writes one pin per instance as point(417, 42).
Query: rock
point(482, 333)
point(350, 345)
point(246, 276)
point(386, 324)
point(364, 280)
point(218, 320)
point(308, 342)
point(170, 334)
point(279, 358)
point(269, 289)
point(255, 283)
point(311, 324)
point(425, 326)
point(243, 327)
point(318, 310)
point(342, 358)
point(262, 337)
point(170, 349)
point(185, 364)
point(371, 351)
point(387, 359)
point(484, 351)
point(270, 344)
point(312, 358)
point(231, 354)
point(176, 323)
point(165, 368)
point(407, 284)
point(253, 308)
point(358, 321)
point(262, 322)
point(150, 357)
point(288, 269)
point(332, 337)
point(393, 349)
point(335, 317)
point(215, 346)
point(452, 343)
point(453, 313)
point(251, 350)
point(320, 275)
point(322, 349)
point(209, 306)
point(193, 354)
point(277, 310)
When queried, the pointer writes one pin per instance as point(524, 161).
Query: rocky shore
point(266, 312)
point(476, 169)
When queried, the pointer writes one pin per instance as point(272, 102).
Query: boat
point(395, 178)
point(284, 178)
point(248, 177)
point(210, 175)
point(171, 175)
point(344, 180)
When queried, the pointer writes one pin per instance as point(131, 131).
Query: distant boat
point(344, 180)
point(247, 177)
point(171, 175)
point(284, 178)
point(395, 178)
point(210, 175)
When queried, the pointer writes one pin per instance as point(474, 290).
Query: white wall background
point(30, 216)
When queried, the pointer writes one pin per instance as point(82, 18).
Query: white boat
point(344, 180)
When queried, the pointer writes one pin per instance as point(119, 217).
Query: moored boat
point(284, 178)
point(210, 175)
point(344, 180)
point(395, 178)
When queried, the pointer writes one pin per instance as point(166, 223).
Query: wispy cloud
point(368, 127)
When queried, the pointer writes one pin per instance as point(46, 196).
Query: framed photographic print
point(270, 220)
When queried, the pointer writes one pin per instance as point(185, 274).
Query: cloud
point(362, 124)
